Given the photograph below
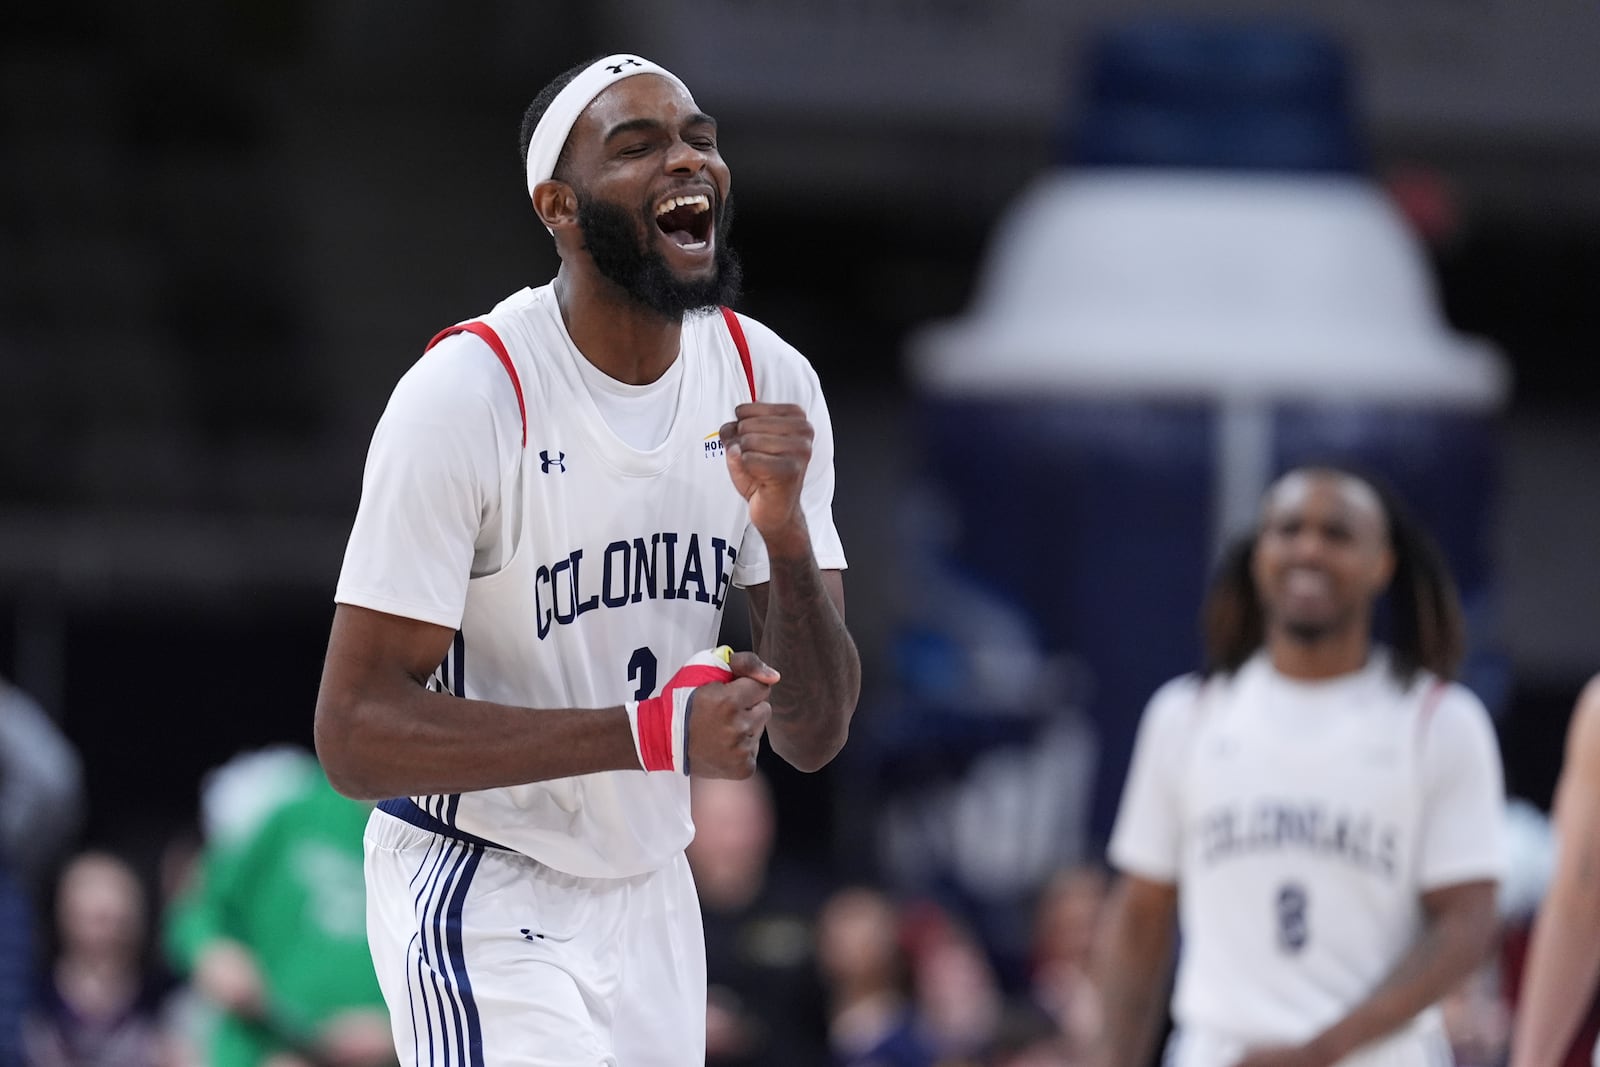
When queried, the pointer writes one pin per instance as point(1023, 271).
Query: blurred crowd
point(244, 945)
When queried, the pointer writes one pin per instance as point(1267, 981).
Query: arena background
point(227, 228)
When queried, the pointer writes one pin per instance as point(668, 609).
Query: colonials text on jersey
point(1364, 839)
point(665, 566)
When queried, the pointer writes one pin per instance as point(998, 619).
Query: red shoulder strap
point(743, 346)
point(492, 339)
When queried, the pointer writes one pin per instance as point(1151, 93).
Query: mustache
point(622, 252)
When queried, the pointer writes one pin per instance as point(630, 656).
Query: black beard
point(611, 237)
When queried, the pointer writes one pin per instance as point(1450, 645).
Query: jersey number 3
point(642, 665)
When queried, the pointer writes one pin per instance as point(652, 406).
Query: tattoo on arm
point(800, 631)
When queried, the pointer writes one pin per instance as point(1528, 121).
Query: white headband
point(550, 136)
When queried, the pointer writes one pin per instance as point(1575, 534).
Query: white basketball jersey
point(1301, 822)
point(619, 575)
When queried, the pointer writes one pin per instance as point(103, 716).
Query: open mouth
point(1305, 582)
point(686, 220)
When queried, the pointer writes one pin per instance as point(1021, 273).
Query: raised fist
point(768, 447)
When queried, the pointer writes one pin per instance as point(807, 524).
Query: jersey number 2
point(1293, 931)
point(642, 665)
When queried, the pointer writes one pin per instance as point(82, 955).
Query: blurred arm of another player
point(1134, 965)
point(797, 616)
point(1558, 981)
point(356, 1037)
point(382, 733)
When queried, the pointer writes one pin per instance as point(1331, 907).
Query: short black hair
point(541, 104)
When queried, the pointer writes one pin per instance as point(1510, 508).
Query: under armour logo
point(616, 68)
point(545, 462)
point(529, 935)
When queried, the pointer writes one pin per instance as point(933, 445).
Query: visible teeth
point(1304, 582)
point(699, 202)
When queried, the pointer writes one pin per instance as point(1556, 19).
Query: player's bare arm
point(797, 617)
point(1564, 958)
point(380, 732)
point(1135, 958)
point(1460, 927)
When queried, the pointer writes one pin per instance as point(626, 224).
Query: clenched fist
point(726, 719)
point(768, 447)
point(722, 695)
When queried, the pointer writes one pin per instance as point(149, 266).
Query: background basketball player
point(1319, 815)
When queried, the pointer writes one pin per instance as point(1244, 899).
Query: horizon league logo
point(667, 567)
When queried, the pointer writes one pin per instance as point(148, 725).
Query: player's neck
point(625, 341)
point(1328, 656)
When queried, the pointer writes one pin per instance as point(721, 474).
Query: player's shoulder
point(761, 336)
point(774, 358)
point(1444, 697)
point(520, 311)
point(1453, 718)
point(1184, 690)
point(1179, 702)
point(458, 373)
point(1588, 706)
point(1583, 732)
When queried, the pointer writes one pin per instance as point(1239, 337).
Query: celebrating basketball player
point(1319, 816)
point(557, 501)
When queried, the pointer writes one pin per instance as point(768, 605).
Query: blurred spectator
point(41, 805)
point(764, 1002)
point(1066, 921)
point(958, 997)
point(41, 791)
point(273, 934)
point(867, 973)
point(97, 1005)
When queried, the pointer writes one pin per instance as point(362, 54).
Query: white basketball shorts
point(1420, 1043)
point(490, 959)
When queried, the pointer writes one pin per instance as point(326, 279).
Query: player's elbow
point(809, 735)
point(340, 745)
point(813, 752)
point(808, 763)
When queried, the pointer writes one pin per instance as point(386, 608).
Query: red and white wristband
point(660, 723)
